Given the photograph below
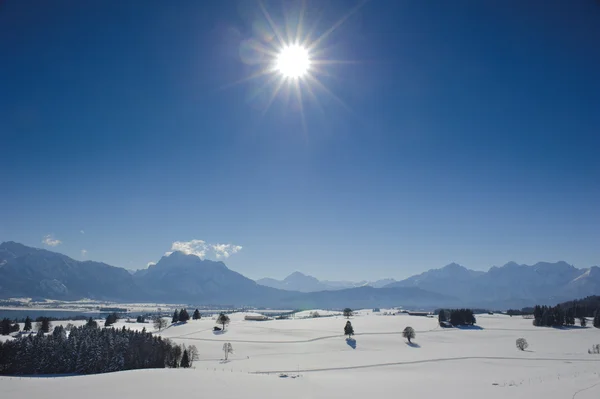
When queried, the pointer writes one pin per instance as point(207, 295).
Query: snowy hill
point(310, 358)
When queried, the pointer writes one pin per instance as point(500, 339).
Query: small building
point(255, 317)
point(425, 314)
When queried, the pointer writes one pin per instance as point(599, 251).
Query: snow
point(453, 363)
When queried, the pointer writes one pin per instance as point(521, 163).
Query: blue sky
point(440, 132)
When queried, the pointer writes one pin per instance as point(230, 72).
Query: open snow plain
point(450, 363)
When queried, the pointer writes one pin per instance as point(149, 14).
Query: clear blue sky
point(465, 131)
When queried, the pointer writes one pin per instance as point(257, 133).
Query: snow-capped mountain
point(512, 283)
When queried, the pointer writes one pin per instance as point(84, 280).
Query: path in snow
point(425, 361)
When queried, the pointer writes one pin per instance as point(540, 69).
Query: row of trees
point(183, 316)
point(551, 316)
point(7, 326)
point(88, 350)
point(457, 317)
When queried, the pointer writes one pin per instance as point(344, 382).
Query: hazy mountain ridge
point(178, 277)
point(298, 281)
point(512, 283)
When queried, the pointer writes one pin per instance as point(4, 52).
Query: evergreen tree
point(27, 326)
point(347, 312)
point(110, 320)
point(582, 322)
point(570, 317)
point(223, 319)
point(184, 316)
point(196, 315)
point(442, 316)
point(175, 318)
point(597, 318)
point(185, 360)
point(5, 326)
point(43, 324)
point(409, 333)
point(91, 323)
point(348, 330)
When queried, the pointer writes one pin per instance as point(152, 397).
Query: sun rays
point(291, 61)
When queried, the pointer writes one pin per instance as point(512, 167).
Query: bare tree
point(227, 348)
point(159, 323)
point(409, 333)
point(522, 344)
point(193, 353)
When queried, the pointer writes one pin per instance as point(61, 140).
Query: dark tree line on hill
point(89, 350)
point(589, 305)
point(457, 317)
point(556, 316)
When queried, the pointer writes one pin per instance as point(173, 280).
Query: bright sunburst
point(293, 61)
point(288, 59)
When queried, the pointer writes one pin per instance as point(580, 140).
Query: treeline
point(457, 317)
point(586, 307)
point(556, 316)
point(89, 350)
point(183, 316)
point(589, 305)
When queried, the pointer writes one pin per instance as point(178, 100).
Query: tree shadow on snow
point(413, 344)
point(224, 361)
point(219, 332)
point(569, 327)
point(351, 342)
point(473, 327)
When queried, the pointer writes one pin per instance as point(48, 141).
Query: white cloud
point(51, 241)
point(225, 250)
point(83, 253)
point(82, 232)
point(203, 249)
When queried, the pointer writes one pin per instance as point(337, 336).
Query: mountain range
point(177, 277)
point(303, 283)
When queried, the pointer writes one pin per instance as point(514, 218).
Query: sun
point(293, 61)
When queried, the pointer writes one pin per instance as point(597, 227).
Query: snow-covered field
point(452, 363)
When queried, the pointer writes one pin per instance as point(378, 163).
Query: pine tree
point(110, 320)
point(175, 318)
point(597, 318)
point(347, 312)
point(184, 316)
point(91, 323)
point(442, 316)
point(5, 326)
point(582, 322)
point(27, 326)
point(196, 315)
point(348, 329)
point(185, 360)
point(43, 324)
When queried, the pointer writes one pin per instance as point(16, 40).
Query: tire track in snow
point(584, 389)
point(448, 359)
point(186, 336)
